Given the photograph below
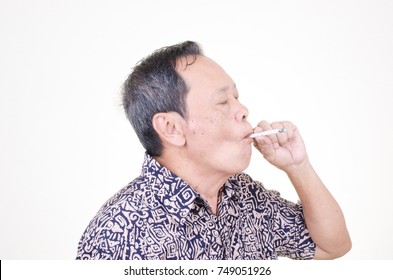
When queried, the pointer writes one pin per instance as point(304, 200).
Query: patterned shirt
point(160, 216)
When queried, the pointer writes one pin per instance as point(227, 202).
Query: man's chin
point(242, 164)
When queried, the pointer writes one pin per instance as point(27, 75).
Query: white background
point(66, 146)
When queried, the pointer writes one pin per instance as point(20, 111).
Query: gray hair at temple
point(154, 86)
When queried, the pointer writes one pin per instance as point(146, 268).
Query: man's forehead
point(197, 63)
point(202, 68)
point(226, 88)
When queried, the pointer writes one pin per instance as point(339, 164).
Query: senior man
point(192, 199)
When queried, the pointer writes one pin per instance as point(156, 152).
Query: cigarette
point(268, 132)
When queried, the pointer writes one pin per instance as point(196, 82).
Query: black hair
point(155, 86)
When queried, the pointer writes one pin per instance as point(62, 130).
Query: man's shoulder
point(133, 194)
point(106, 236)
point(128, 200)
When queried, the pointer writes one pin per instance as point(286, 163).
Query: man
point(192, 200)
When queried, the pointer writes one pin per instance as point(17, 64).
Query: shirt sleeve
point(291, 236)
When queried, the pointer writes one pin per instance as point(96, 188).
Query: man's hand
point(284, 150)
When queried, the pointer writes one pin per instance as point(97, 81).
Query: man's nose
point(241, 113)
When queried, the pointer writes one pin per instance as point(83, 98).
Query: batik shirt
point(160, 216)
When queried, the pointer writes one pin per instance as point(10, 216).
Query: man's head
point(155, 86)
point(180, 100)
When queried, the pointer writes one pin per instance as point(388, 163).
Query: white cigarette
point(268, 132)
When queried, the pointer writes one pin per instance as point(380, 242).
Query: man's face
point(217, 126)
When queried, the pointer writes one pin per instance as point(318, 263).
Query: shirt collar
point(178, 197)
point(170, 190)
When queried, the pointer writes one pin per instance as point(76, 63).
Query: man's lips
point(247, 135)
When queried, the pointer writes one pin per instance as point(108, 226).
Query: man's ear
point(169, 127)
